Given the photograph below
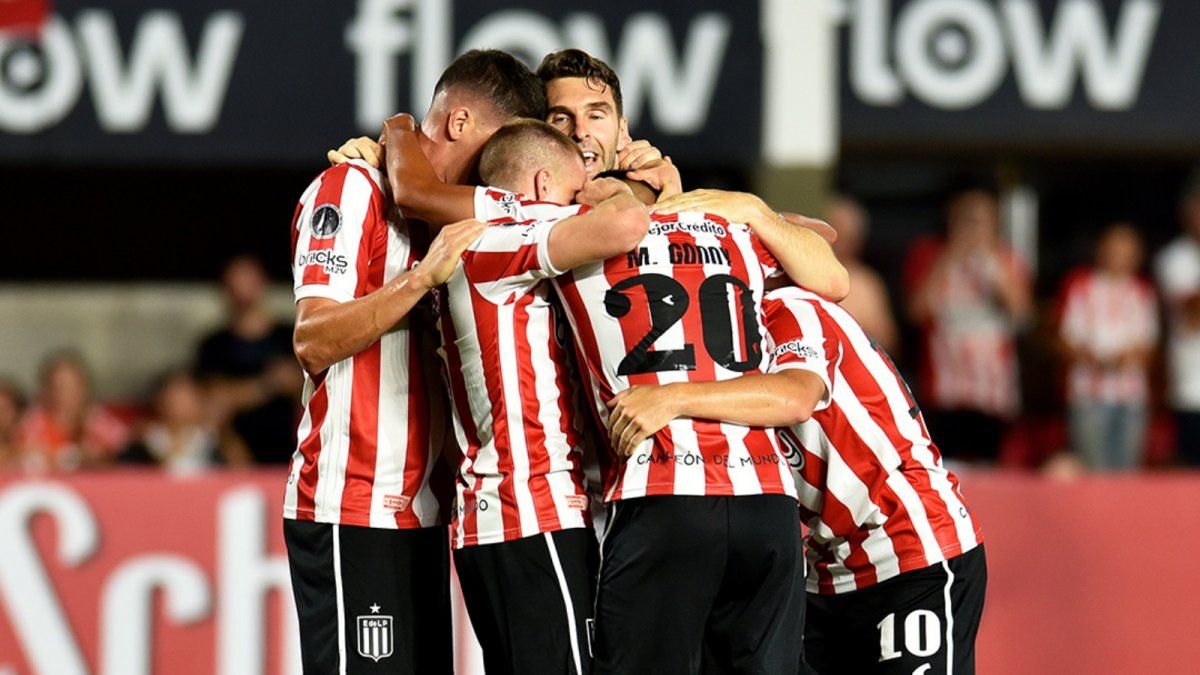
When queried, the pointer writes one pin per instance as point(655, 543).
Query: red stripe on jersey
point(489, 266)
point(330, 192)
point(310, 450)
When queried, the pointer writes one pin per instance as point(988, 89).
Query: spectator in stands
point(250, 371)
point(1178, 271)
point(1109, 329)
point(180, 437)
point(65, 429)
point(969, 293)
point(12, 404)
point(868, 301)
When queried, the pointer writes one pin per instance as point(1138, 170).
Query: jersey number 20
point(668, 303)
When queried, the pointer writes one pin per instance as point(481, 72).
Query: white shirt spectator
point(1178, 272)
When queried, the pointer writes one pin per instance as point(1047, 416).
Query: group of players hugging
point(515, 269)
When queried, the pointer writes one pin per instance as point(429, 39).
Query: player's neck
point(431, 151)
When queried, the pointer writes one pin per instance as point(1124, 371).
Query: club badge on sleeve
point(326, 221)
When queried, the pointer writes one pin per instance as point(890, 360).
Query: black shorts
point(691, 584)
point(927, 617)
point(529, 601)
point(371, 600)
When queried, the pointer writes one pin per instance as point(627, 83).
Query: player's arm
point(803, 254)
point(328, 331)
point(415, 187)
point(615, 225)
point(755, 400)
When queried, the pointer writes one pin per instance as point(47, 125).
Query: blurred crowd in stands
point(1112, 363)
point(236, 404)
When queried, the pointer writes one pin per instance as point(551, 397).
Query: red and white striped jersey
point(684, 306)
point(367, 437)
point(873, 492)
point(1107, 316)
point(508, 372)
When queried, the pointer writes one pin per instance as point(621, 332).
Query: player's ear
point(623, 138)
point(542, 185)
point(458, 122)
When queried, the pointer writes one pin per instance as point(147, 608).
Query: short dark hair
point(512, 143)
point(578, 63)
point(500, 78)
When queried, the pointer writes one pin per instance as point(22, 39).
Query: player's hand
point(599, 189)
point(636, 155)
point(822, 228)
point(662, 175)
point(636, 414)
point(739, 207)
point(357, 148)
point(446, 250)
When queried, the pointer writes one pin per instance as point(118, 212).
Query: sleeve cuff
point(322, 291)
point(543, 250)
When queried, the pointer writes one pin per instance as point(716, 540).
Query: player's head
point(584, 99)
point(535, 159)
point(478, 92)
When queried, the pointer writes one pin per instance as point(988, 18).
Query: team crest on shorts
point(375, 635)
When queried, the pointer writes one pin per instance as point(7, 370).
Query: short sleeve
point(508, 259)
point(337, 211)
point(797, 339)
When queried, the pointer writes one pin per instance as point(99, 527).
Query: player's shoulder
point(353, 180)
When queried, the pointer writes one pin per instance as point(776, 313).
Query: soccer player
point(366, 545)
point(524, 551)
point(896, 573)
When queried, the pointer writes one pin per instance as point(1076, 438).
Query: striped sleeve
point(492, 204)
point(334, 234)
point(797, 339)
point(509, 258)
